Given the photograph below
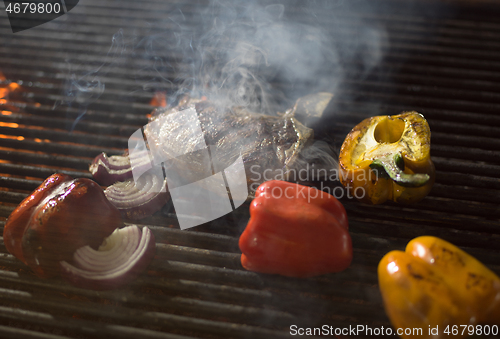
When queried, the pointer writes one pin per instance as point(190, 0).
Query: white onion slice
point(141, 198)
point(123, 255)
point(115, 250)
point(108, 170)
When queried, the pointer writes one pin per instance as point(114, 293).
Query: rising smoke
point(251, 54)
point(262, 55)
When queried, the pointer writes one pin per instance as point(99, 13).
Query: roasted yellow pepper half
point(437, 287)
point(388, 157)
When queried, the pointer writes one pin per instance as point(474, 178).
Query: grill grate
point(444, 66)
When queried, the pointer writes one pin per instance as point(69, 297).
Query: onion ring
point(139, 199)
point(107, 170)
point(122, 256)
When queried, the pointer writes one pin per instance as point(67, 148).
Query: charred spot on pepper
point(428, 275)
point(415, 275)
point(448, 256)
point(477, 282)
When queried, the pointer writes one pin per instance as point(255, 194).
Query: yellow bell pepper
point(388, 157)
point(439, 288)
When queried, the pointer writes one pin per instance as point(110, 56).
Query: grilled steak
point(269, 145)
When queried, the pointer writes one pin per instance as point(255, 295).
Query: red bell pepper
point(295, 231)
point(60, 216)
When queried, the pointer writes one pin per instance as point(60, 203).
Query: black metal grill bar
point(49, 90)
point(471, 86)
point(489, 195)
point(19, 183)
point(210, 310)
point(451, 165)
point(470, 143)
point(454, 52)
point(355, 110)
point(190, 286)
point(407, 42)
point(203, 287)
point(408, 37)
point(18, 333)
point(476, 154)
point(416, 218)
point(101, 104)
point(62, 136)
point(443, 138)
point(462, 29)
point(138, 117)
point(65, 124)
point(372, 226)
point(46, 159)
point(429, 91)
point(427, 94)
point(222, 274)
point(75, 150)
point(416, 101)
point(5, 211)
point(469, 73)
point(475, 129)
point(460, 198)
point(447, 42)
point(465, 78)
point(188, 289)
point(228, 276)
point(376, 88)
point(12, 197)
point(79, 327)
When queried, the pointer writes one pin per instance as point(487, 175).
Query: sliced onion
point(137, 200)
point(115, 250)
point(124, 254)
point(108, 170)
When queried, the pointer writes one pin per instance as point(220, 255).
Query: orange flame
point(9, 124)
point(4, 91)
point(159, 99)
point(3, 136)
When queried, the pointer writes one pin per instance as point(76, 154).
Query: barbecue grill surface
point(438, 58)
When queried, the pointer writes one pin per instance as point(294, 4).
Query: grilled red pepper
point(60, 216)
point(295, 231)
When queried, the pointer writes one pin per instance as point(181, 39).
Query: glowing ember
point(159, 100)
point(4, 91)
point(3, 136)
point(9, 124)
